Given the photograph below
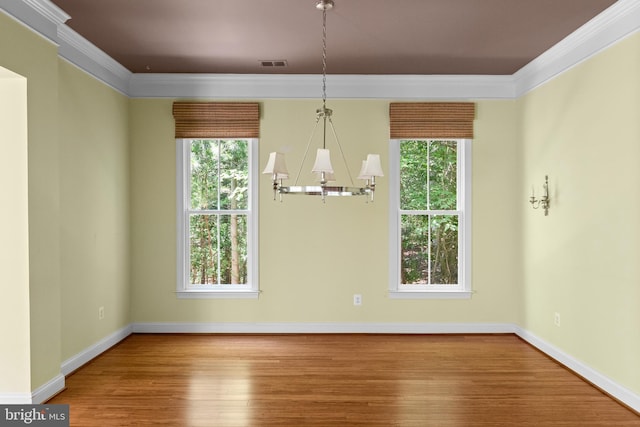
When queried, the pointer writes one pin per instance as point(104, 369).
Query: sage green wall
point(314, 257)
point(582, 129)
point(29, 55)
point(94, 209)
point(101, 172)
point(78, 202)
point(15, 367)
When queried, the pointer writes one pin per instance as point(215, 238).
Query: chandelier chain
point(324, 57)
point(370, 167)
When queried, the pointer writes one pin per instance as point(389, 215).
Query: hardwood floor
point(333, 380)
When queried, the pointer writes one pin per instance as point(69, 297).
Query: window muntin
point(429, 216)
point(216, 216)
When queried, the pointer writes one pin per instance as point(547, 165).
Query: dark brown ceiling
point(492, 37)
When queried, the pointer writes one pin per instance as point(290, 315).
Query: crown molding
point(41, 16)
point(86, 56)
point(615, 23)
point(48, 20)
point(253, 86)
point(49, 11)
point(612, 25)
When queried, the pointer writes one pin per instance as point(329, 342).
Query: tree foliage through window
point(219, 185)
point(429, 217)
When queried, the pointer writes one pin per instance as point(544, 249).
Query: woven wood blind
point(217, 119)
point(431, 119)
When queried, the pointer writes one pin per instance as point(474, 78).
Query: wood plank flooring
point(333, 380)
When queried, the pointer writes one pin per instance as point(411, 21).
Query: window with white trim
point(430, 218)
point(216, 218)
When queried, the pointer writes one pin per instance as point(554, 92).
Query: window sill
point(213, 294)
point(430, 294)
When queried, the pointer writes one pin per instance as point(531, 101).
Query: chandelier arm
point(306, 150)
point(324, 167)
point(344, 159)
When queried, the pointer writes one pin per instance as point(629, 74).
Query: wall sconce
point(543, 201)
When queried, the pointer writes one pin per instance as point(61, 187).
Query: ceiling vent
point(273, 63)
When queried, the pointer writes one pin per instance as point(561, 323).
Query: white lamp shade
point(328, 177)
point(371, 167)
point(323, 161)
point(276, 166)
point(363, 168)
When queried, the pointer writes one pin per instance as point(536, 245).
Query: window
point(430, 218)
point(216, 218)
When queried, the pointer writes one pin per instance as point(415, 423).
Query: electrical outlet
point(100, 313)
point(556, 319)
point(357, 299)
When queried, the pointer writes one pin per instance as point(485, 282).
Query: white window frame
point(463, 289)
point(183, 193)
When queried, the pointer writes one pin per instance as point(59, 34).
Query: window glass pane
point(414, 255)
point(203, 250)
point(234, 174)
point(218, 249)
point(204, 174)
point(429, 249)
point(444, 249)
point(443, 174)
point(233, 249)
point(413, 175)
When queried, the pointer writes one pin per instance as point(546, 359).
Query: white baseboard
point(39, 395)
point(601, 381)
point(89, 353)
point(48, 390)
point(15, 398)
point(325, 328)
point(57, 383)
point(605, 383)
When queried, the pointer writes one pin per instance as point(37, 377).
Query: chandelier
point(322, 168)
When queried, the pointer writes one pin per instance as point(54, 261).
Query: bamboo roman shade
point(431, 119)
point(217, 119)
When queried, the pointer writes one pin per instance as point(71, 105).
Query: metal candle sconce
point(543, 201)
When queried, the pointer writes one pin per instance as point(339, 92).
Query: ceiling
point(378, 37)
